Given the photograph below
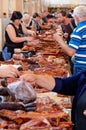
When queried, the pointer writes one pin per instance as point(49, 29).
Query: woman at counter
point(15, 34)
point(72, 86)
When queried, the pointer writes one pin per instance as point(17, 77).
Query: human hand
point(29, 78)
point(65, 35)
point(8, 71)
point(45, 81)
point(29, 38)
point(31, 32)
point(84, 112)
point(58, 38)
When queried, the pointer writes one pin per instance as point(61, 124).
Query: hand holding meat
point(45, 81)
point(58, 38)
point(32, 33)
point(8, 71)
point(65, 35)
point(29, 38)
point(29, 78)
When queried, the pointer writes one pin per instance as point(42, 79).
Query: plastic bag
point(22, 91)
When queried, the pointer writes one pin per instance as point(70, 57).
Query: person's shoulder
point(73, 22)
point(9, 26)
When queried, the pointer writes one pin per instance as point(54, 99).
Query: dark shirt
point(68, 28)
point(36, 25)
point(45, 20)
point(12, 45)
point(81, 104)
point(74, 86)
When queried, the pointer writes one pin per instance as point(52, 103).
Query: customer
point(14, 35)
point(67, 24)
point(77, 43)
point(71, 86)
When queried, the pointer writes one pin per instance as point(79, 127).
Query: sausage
point(30, 109)
point(32, 104)
point(11, 106)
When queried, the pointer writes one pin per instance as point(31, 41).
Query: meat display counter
point(52, 109)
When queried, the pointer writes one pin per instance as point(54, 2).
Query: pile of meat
point(47, 116)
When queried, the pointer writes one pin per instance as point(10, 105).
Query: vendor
point(15, 35)
point(35, 23)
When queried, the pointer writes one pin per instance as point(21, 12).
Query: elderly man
point(77, 43)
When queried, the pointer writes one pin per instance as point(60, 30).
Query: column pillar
point(1, 3)
point(30, 7)
point(19, 5)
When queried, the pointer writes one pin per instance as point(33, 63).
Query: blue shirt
point(78, 43)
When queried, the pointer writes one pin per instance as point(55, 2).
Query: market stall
point(43, 55)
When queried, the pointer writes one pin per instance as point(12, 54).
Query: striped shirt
point(78, 43)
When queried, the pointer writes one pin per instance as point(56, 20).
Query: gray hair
point(25, 16)
point(80, 11)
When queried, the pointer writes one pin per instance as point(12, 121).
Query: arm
point(12, 35)
point(69, 51)
point(66, 86)
point(28, 32)
point(45, 81)
point(69, 86)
